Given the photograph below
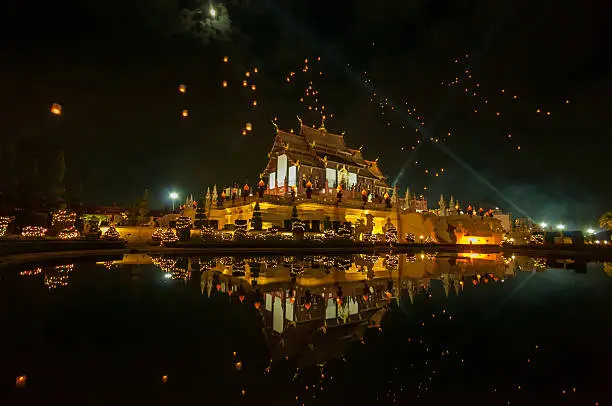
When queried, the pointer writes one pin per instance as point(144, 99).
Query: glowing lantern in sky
point(56, 109)
point(254, 103)
point(244, 83)
point(165, 379)
point(225, 59)
point(255, 70)
point(247, 74)
point(249, 127)
point(225, 83)
point(253, 87)
point(20, 381)
point(185, 113)
point(244, 132)
point(182, 89)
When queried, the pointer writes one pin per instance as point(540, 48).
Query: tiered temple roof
point(318, 148)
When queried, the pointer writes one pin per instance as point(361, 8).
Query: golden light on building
point(225, 83)
point(56, 109)
point(225, 59)
point(185, 113)
point(253, 87)
point(182, 89)
point(249, 127)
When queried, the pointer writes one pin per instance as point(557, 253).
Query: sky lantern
point(253, 87)
point(244, 132)
point(254, 103)
point(226, 59)
point(182, 89)
point(249, 127)
point(56, 109)
point(255, 70)
point(185, 113)
point(247, 74)
point(20, 381)
point(244, 83)
point(225, 83)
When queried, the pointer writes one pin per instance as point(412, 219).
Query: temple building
point(321, 160)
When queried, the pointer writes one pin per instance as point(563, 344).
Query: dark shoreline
point(26, 251)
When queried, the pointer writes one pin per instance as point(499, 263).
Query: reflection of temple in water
point(324, 292)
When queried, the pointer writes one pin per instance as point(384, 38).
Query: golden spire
point(275, 126)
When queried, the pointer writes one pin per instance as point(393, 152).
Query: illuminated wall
point(352, 180)
point(281, 170)
point(330, 176)
point(292, 176)
point(477, 240)
point(272, 180)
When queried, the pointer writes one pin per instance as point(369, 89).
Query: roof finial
point(322, 128)
point(360, 148)
point(299, 120)
point(275, 126)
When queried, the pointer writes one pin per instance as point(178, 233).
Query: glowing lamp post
point(173, 196)
point(213, 12)
point(543, 225)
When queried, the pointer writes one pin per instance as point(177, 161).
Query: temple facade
point(321, 161)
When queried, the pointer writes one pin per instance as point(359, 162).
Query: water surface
point(391, 329)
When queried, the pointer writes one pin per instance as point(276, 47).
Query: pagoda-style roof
point(318, 148)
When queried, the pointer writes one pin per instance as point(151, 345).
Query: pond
point(387, 329)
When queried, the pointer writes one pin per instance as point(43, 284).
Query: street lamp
point(213, 12)
point(173, 196)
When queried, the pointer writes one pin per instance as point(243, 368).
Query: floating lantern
point(244, 132)
point(182, 89)
point(253, 87)
point(244, 83)
point(247, 74)
point(238, 366)
point(254, 103)
point(225, 59)
point(225, 83)
point(185, 113)
point(164, 379)
point(20, 381)
point(249, 126)
point(56, 109)
point(255, 70)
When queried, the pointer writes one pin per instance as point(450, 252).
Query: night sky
point(115, 67)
